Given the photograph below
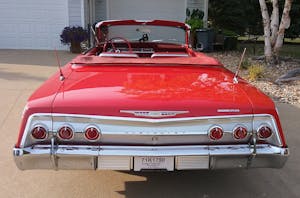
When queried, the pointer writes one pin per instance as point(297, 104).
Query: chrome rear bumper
point(66, 157)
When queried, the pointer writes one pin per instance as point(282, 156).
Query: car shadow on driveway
point(208, 184)
point(251, 183)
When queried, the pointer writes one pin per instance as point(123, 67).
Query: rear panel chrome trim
point(142, 130)
point(121, 157)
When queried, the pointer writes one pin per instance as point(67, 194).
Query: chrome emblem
point(228, 110)
point(154, 114)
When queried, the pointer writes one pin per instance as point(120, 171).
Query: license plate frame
point(154, 163)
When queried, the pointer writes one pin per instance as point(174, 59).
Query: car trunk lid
point(119, 90)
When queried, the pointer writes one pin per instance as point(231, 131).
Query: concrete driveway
point(23, 71)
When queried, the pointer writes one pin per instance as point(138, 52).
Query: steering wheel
point(110, 41)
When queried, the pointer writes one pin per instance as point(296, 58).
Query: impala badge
point(154, 114)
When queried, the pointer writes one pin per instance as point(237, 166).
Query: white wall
point(195, 4)
point(32, 24)
point(100, 8)
point(75, 13)
point(147, 9)
point(199, 4)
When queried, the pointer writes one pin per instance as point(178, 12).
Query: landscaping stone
point(285, 92)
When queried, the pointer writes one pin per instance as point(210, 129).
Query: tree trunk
point(285, 24)
point(267, 30)
point(274, 22)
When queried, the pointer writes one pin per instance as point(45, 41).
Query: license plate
point(152, 163)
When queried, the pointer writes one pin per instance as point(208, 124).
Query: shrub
point(195, 19)
point(195, 24)
point(245, 64)
point(255, 72)
point(73, 34)
point(229, 33)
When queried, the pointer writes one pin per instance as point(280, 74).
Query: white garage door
point(151, 9)
point(32, 24)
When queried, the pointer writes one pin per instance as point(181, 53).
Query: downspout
point(205, 18)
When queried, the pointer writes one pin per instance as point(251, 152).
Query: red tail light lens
point(240, 133)
point(65, 133)
point(216, 133)
point(264, 132)
point(39, 132)
point(92, 133)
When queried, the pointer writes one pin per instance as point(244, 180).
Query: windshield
point(144, 33)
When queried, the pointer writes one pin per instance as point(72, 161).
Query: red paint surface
point(105, 90)
point(104, 86)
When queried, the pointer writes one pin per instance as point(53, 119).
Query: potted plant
point(73, 36)
point(195, 20)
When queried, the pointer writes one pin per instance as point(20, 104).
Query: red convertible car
point(142, 99)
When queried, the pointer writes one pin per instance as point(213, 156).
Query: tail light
point(65, 133)
point(216, 133)
point(92, 133)
point(39, 132)
point(264, 132)
point(240, 133)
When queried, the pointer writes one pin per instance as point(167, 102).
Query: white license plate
point(152, 163)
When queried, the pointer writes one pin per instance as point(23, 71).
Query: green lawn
point(261, 38)
point(288, 50)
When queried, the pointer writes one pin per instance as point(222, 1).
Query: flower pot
point(75, 47)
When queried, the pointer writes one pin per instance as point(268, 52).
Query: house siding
point(32, 24)
point(199, 4)
point(74, 12)
point(195, 4)
point(100, 8)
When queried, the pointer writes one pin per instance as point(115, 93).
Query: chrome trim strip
point(211, 150)
point(120, 55)
point(154, 55)
point(153, 114)
point(149, 120)
point(49, 118)
point(266, 155)
point(228, 110)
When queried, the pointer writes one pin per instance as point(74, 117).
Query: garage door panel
point(152, 9)
point(35, 24)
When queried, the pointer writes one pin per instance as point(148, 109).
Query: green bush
point(245, 64)
point(195, 24)
point(255, 72)
point(230, 33)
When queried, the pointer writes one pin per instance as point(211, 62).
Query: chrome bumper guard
point(66, 157)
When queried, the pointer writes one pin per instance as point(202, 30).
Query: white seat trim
point(118, 55)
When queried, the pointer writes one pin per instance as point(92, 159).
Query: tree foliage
point(294, 30)
point(239, 16)
point(244, 16)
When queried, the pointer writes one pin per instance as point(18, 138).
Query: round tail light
point(39, 132)
point(264, 132)
point(65, 133)
point(216, 133)
point(92, 133)
point(240, 133)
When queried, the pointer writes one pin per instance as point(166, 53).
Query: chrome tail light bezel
point(235, 135)
point(65, 126)
point(210, 133)
point(264, 126)
point(98, 132)
point(41, 126)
